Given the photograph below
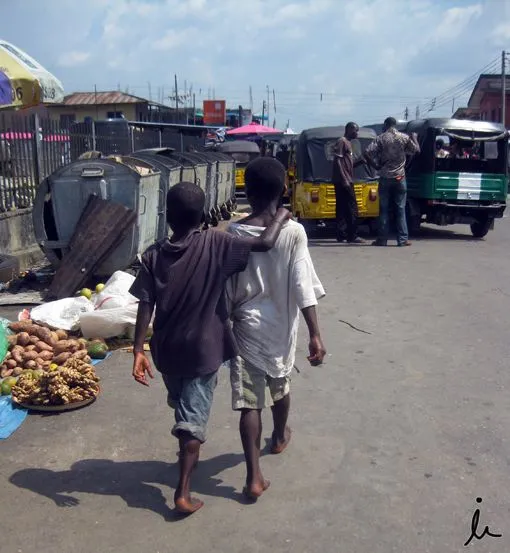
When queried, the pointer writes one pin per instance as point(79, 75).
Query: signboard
point(215, 112)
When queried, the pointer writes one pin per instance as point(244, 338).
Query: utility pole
point(150, 91)
point(503, 87)
point(267, 87)
point(251, 100)
point(417, 112)
point(176, 100)
point(274, 107)
point(194, 111)
point(263, 110)
point(406, 113)
point(453, 105)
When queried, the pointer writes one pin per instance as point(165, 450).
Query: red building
point(485, 101)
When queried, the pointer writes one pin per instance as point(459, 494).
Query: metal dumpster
point(170, 175)
point(227, 184)
point(61, 198)
point(212, 184)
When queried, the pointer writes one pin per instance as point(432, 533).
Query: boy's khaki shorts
point(252, 388)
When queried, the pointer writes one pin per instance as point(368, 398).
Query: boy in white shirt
point(265, 301)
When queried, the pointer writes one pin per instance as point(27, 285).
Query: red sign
point(215, 112)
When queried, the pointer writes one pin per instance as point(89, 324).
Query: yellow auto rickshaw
point(313, 199)
point(242, 152)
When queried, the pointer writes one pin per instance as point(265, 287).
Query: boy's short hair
point(185, 205)
point(265, 179)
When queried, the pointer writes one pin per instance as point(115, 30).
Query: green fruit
point(97, 350)
point(99, 288)
point(86, 293)
point(7, 385)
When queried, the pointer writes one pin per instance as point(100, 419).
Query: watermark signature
point(474, 527)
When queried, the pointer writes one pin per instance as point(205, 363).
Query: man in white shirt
point(265, 301)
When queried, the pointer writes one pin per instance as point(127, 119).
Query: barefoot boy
point(265, 301)
point(184, 277)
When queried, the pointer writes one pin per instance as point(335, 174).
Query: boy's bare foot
point(188, 505)
point(277, 444)
point(254, 490)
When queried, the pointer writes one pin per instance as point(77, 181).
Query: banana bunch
point(73, 382)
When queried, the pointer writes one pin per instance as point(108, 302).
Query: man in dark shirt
point(343, 177)
point(184, 278)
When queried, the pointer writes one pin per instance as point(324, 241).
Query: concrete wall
point(17, 237)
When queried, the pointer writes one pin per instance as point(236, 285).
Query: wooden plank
point(101, 228)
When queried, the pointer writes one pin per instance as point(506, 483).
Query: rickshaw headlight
point(372, 195)
point(314, 196)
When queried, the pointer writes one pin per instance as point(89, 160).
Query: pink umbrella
point(254, 128)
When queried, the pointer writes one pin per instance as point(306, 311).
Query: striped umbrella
point(24, 82)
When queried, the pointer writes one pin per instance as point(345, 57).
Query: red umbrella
point(254, 128)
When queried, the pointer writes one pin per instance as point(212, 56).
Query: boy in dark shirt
point(184, 277)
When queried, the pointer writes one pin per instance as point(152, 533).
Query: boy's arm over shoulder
point(233, 251)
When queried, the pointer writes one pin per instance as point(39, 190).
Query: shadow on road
point(324, 238)
point(130, 480)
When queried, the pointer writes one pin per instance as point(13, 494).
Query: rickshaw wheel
point(481, 227)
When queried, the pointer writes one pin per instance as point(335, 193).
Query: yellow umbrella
point(24, 82)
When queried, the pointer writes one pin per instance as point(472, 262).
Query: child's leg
point(248, 396)
point(280, 393)
point(250, 428)
point(192, 400)
point(188, 458)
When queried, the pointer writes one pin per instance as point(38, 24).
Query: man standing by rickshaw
point(388, 154)
point(342, 179)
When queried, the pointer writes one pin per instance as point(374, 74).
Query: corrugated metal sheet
point(101, 98)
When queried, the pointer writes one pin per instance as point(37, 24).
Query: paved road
point(394, 437)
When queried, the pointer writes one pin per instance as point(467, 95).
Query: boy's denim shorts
point(191, 398)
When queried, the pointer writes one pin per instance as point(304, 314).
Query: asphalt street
point(394, 437)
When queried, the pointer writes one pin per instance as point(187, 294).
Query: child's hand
point(317, 351)
point(283, 214)
point(141, 366)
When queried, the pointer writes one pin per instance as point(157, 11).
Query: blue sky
point(368, 58)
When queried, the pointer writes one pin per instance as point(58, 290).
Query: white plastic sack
point(116, 292)
point(114, 311)
point(108, 323)
point(63, 313)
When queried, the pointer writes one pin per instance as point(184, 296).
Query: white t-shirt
point(266, 298)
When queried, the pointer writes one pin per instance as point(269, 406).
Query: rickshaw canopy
point(315, 153)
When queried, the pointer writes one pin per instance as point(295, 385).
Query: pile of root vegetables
point(35, 347)
point(48, 367)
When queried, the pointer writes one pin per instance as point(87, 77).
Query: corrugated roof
point(101, 98)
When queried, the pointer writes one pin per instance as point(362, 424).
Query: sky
point(328, 61)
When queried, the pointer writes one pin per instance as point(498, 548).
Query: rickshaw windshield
point(318, 162)
point(453, 154)
point(243, 158)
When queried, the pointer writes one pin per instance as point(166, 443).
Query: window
point(115, 115)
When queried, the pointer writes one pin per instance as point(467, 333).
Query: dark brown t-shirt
point(186, 281)
point(343, 165)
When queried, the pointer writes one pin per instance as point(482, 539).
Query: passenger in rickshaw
point(441, 151)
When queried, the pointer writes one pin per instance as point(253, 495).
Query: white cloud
point(501, 34)
point(73, 58)
point(455, 20)
point(172, 39)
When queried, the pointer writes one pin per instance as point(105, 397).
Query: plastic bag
point(108, 323)
point(115, 309)
point(64, 314)
point(4, 344)
point(115, 292)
